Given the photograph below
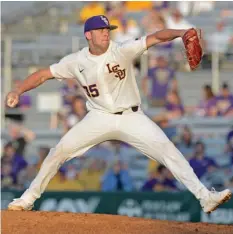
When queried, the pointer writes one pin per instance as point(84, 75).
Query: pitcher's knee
point(55, 156)
point(170, 146)
point(165, 146)
point(68, 144)
point(172, 154)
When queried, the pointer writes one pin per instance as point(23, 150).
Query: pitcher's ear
point(88, 35)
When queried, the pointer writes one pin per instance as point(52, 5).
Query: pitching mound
point(34, 222)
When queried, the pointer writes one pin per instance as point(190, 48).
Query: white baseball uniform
point(110, 86)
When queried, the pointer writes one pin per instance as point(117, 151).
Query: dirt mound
point(35, 222)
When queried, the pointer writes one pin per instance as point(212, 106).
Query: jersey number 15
point(91, 90)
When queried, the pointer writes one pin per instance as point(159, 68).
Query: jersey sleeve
point(65, 68)
point(133, 48)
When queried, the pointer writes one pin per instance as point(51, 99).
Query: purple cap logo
point(97, 22)
point(104, 19)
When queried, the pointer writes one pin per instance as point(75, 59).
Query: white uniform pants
point(135, 128)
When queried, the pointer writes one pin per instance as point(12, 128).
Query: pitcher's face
point(99, 37)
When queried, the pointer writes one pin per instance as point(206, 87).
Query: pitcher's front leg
point(142, 133)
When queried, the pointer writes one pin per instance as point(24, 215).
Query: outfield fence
point(178, 206)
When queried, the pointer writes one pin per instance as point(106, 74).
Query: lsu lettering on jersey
point(108, 79)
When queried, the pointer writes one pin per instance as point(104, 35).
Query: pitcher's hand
point(12, 99)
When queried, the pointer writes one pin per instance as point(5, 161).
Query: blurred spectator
point(160, 180)
point(125, 33)
point(194, 8)
point(214, 178)
point(161, 78)
point(69, 119)
point(152, 166)
point(135, 6)
point(119, 18)
point(151, 182)
point(174, 108)
point(161, 6)
point(176, 21)
point(91, 9)
point(223, 103)
point(68, 91)
point(186, 143)
point(201, 163)
point(20, 137)
point(117, 178)
point(185, 7)
point(169, 129)
point(205, 105)
point(90, 177)
point(70, 172)
point(153, 21)
point(66, 179)
point(170, 182)
point(220, 40)
point(8, 178)
point(112, 7)
point(221, 177)
point(202, 6)
point(229, 145)
point(26, 176)
point(104, 151)
point(43, 151)
point(78, 111)
point(60, 183)
point(10, 156)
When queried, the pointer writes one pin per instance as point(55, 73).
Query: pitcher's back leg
point(93, 129)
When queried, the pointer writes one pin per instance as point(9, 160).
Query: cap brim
point(112, 27)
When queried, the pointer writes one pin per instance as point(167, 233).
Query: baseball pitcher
point(105, 72)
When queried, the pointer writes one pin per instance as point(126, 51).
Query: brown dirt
point(35, 222)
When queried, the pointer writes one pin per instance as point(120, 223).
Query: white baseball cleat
point(19, 204)
point(214, 199)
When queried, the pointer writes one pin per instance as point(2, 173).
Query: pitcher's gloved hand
point(193, 47)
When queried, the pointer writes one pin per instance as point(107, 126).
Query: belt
point(134, 109)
